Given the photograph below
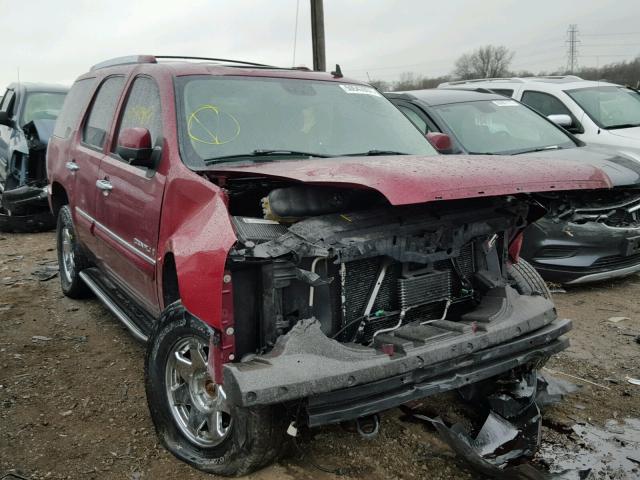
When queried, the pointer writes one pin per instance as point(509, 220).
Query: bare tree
point(413, 81)
point(380, 85)
point(485, 62)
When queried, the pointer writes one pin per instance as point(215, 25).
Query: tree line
point(495, 61)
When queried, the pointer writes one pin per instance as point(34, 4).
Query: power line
point(609, 34)
point(572, 47)
point(611, 45)
point(607, 55)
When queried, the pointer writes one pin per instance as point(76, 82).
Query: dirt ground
point(72, 402)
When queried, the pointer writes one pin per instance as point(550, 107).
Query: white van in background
point(595, 112)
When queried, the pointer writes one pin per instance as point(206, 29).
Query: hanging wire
point(295, 34)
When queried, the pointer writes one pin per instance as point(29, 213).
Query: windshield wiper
point(540, 149)
point(263, 153)
point(622, 125)
point(373, 153)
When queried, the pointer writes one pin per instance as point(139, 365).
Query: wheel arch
point(58, 198)
point(170, 287)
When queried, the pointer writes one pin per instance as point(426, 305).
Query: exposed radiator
point(420, 289)
point(257, 229)
point(426, 292)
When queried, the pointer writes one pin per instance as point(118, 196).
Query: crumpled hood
point(622, 166)
point(405, 179)
point(42, 128)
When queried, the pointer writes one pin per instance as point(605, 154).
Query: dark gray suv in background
point(28, 112)
point(588, 237)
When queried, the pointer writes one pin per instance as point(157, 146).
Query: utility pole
point(317, 34)
point(572, 48)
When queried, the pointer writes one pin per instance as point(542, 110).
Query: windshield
point(500, 127)
point(225, 117)
point(42, 106)
point(609, 107)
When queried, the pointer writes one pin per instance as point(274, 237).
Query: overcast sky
point(57, 40)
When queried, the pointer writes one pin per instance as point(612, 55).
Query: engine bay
point(358, 265)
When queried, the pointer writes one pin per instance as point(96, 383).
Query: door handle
point(72, 166)
point(104, 185)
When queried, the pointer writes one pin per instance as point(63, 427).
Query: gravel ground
point(72, 402)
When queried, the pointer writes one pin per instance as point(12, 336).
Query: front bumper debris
point(23, 196)
point(346, 381)
point(571, 253)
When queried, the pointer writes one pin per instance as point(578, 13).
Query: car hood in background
point(632, 132)
point(405, 179)
point(43, 129)
point(622, 167)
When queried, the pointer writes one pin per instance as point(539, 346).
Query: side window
point(7, 102)
point(74, 106)
point(544, 103)
point(101, 113)
point(143, 109)
point(415, 118)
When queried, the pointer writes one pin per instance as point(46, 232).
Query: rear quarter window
point(74, 104)
point(102, 111)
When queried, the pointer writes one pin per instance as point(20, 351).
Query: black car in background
point(580, 240)
point(28, 112)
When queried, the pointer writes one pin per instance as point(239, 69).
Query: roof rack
point(128, 60)
point(477, 80)
point(241, 62)
point(133, 59)
point(513, 79)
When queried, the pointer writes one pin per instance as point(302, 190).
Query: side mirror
point(5, 120)
point(561, 120)
point(134, 146)
point(440, 141)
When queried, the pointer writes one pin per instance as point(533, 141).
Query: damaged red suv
point(293, 250)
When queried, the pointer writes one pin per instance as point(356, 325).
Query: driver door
point(129, 205)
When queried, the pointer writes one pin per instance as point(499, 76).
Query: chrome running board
point(120, 314)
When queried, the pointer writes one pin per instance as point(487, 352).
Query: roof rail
point(128, 60)
point(513, 79)
point(182, 57)
point(477, 80)
point(557, 77)
point(133, 59)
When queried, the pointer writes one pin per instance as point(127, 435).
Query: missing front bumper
point(305, 364)
point(531, 350)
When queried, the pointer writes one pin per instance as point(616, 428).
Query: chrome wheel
point(199, 406)
point(67, 254)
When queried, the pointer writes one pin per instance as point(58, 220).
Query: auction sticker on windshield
point(360, 89)
point(505, 103)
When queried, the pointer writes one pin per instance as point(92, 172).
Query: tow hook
point(368, 427)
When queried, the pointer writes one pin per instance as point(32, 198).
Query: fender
point(197, 230)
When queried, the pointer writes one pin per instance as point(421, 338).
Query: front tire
point(71, 258)
point(191, 414)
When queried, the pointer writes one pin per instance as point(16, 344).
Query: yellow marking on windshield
point(222, 119)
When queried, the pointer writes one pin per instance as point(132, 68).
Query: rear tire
point(71, 258)
point(191, 415)
point(527, 279)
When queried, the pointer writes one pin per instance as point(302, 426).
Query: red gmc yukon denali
point(293, 251)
